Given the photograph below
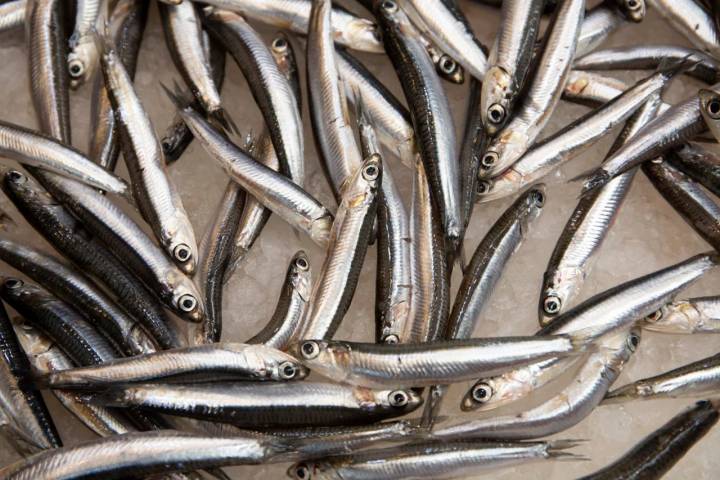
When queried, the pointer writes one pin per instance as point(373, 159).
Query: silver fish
point(12, 14)
point(281, 195)
point(248, 405)
point(509, 61)
point(543, 92)
point(554, 151)
point(565, 409)
point(693, 21)
point(597, 26)
point(202, 363)
point(695, 315)
point(291, 307)
point(431, 460)
point(334, 289)
point(423, 364)
point(156, 195)
point(348, 29)
point(446, 26)
point(608, 311)
point(82, 58)
point(145, 453)
point(586, 229)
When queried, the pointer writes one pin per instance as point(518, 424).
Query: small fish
point(82, 57)
point(692, 20)
point(657, 453)
point(698, 163)
point(599, 23)
point(695, 315)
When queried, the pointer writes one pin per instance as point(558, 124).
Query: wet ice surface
point(648, 235)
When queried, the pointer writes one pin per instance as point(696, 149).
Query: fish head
point(82, 62)
point(502, 152)
point(676, 317)
point(186, 300)
point(328, 358)
point(498, 90)
point(400, 401)
point(560, 286)
point(362, 34)
point(489, 189)
point(313, 470)
point(450, 70)
point(300, 274)
point(491, 393)
point(633, 10)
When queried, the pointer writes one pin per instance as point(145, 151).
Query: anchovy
point(565, 409)
point(598, 24)
point(586, 229)
point(82, 57)
point(349, 237)
point(127, 21)
point(431, 460)
point(177, 136)
point(510, 60)
point(473, 144)
point(339, 152)
point(687, 198)
point(543, 92)
point(435, 132)
point(348, 29)
point(44, 152)
point(72, 287)
point(562, 146)
point(46, 357)
point(146, 453)
point(65, 233)
point(184, 39)
point(608, 311)
point(693, 21)
point(669, 129)
point(12, 15)
point(270, 88)
point(374, 365)
point(641, 57)
point(700, 164)
point(291, 306)
point(284, 197)
point(429, 270)
point(657, 453)
point(695, 315)
point(215, 249)
point(202, 363)
point(157, 197)
point(30, 427)
point(290, 404)
point(447, 27)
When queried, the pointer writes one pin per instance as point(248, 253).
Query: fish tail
point(557, 450)
point(669, 68)
point(621, 395)
point(179, 98)
point(220, 117)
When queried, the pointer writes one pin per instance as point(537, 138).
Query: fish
point(698, 163)
point(431, 459)
point(248, 405)
point(436, 132)
point(182, 26)
point(633, 10)
point(72, 287)
point(473, 144)
point(339, 152)
point(82, 58)
point(348, 29)
point(611, 310)
point(146, 453)
point(58, 226)
point(695, 315)
point(333, 290)
point(586, 229)
point(12, 15)
point(291, 306)
point(156, 195)
point(657, 453)
point(270, 88)
point(127, 22)
point(202, 363)
point(696, 379)
point(510, 60)
point(599, 23)
point(710, 110)
point(425, 364)
point(693, 21)
point(543, 92)
point(562, 411)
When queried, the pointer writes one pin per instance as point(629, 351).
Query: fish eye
point(389, 6)
point(302, 472)
point(482, 392)
point(182, 253)
point(483, 187)
point(287, 370)
point(13, 283)
point(187, 303)
point(302, 263)
point(391, 339)
point(538, 197)
point(310, 349)
point(552, 304)
point(633, 341)
point(75, 68)
point(655, 316)
point(16, 176)
point(447, 65)
point(496, 113)
point(398, 398)
point(279, 44)
point(713, 108)
point(489, 159)
point(370, 172)
point(633, 4)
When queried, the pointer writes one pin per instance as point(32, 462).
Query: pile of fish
point(122, 321)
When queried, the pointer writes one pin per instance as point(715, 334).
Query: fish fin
point(178, 97)
point(556, 449)
point(220, 118)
